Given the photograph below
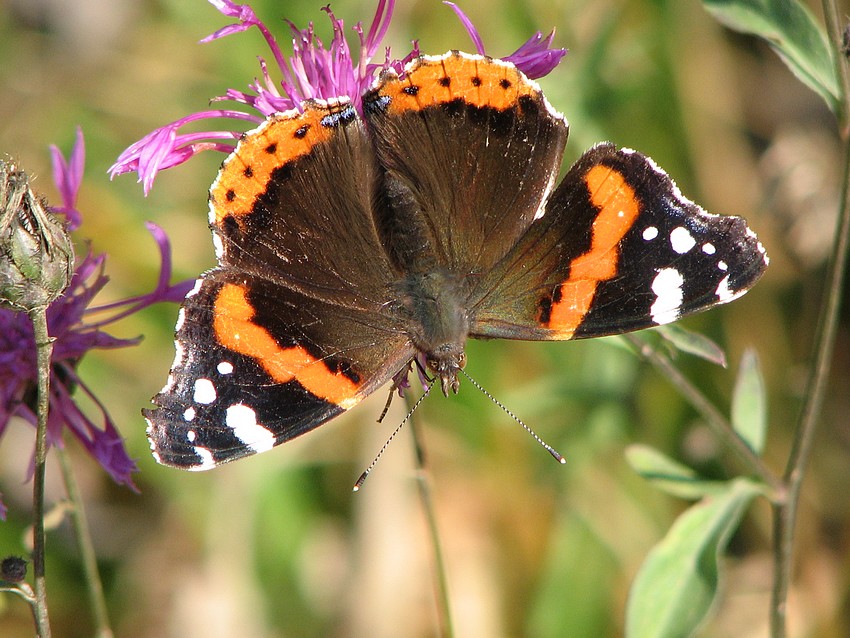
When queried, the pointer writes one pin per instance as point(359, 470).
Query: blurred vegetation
point(277, 545)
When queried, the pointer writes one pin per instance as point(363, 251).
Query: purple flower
point(77, 327)
point(313, 71)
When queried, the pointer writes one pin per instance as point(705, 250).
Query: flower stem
point(86, 547)
point(440, 580)
point(785, 515)
point(719, 424)
point(44, 352)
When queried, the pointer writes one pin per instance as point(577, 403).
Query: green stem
point(23, 590)
point(835, 32)
point(86, 547)
point(44, 353)
point(719, 424)
point(785, 516)
point(440, 580)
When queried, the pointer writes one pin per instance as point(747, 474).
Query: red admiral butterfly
point(349, 247)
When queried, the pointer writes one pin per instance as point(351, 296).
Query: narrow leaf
point(669, 475)
point(789, 27)
point(749, 403)
point(676, 586)
point(693, 343)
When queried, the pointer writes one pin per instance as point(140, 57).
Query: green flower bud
point(36, 253)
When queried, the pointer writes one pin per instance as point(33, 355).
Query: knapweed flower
point(313, 71)
point(77, 328)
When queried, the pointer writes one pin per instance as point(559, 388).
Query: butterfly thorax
point(438, 322)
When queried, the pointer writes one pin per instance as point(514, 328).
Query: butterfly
point(351, 246)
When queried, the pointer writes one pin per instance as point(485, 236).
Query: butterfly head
point(445, 363)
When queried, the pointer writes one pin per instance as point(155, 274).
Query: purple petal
point(535, 58)
point(164, 148)
point(105, 445)
point(378, 30)
point(164, 246)
point(243, 12)
point(163, 292)
point(68, 175)
point(225, 31)
point(470, 28)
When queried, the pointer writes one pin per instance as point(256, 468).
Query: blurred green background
point(277, 545)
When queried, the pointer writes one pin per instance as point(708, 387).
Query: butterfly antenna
point(555, 454)
point(383, 449)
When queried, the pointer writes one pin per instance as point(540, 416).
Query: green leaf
point(789, 27)
point(749, 403)
point(669, 475)
point(676, 586)
point(693, 343)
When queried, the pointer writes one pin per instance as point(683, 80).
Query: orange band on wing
point(235, 330)
point(477, 81)
point(618, 209)
point(245, 174)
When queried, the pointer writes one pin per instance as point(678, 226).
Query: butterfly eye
point(461, 360)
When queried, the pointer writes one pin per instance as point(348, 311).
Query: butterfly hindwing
point(258, 364)
point(619, 248)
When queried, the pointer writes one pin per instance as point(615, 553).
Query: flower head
point(77, 327)
point(312, 71)
point(36, 253)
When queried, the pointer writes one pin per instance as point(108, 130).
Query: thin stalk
point(440, 580)
point(835, 31)
point(785, 516)
point(718, 423)
point(44, 353)
point(86, 547)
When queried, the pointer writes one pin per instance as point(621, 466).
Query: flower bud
point(36, 253)
point(13, 569)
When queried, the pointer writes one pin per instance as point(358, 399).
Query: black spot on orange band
point(277, 142)
point(471, 79)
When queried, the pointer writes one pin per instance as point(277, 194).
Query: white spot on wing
point(207, 460)
point(725, 293)
point(667, 287)
point(189, 415)
point(204, 391)
point(243, 421)
point(191, 435)
point(650, 233)
point(225, 367)
point(708, 248)
point(681, 240)
point(722, 265)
